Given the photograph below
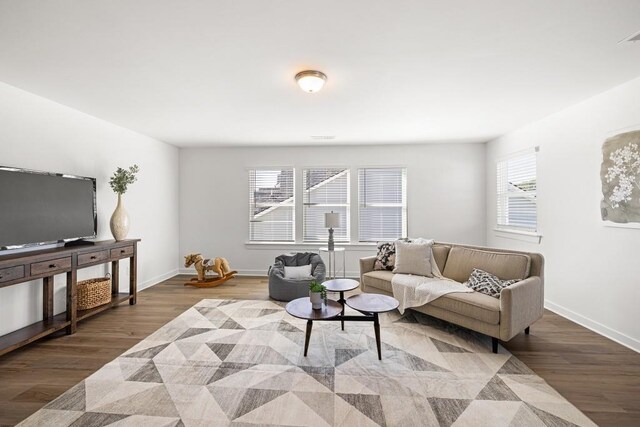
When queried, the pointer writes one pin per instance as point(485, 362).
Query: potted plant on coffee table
point(317, 294)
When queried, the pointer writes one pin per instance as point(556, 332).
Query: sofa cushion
point(474, 305)
point(379, 279)
point(461, 262)
point(413, 258)
point(440, 254)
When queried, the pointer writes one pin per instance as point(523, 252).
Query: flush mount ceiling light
point(310, 80)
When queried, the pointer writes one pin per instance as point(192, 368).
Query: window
point(517, 201)
point(325, 190)
point(381, 198)
point(382, 203)
point(271, 205)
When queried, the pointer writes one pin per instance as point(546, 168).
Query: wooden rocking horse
point(218, 265)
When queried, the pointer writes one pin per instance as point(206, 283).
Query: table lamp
point(331, 221)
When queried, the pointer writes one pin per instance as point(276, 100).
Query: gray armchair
point(283, 289)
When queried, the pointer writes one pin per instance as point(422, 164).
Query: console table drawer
point(11, 273)
point(91, 257)
point(123, 252)
point(52, 266)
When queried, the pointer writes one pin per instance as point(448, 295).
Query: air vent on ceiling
point(324, 137)
point(635, 37)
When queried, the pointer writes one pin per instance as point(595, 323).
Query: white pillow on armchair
point(301, 272)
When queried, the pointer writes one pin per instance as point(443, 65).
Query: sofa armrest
point(521, 304)
point(366, 265)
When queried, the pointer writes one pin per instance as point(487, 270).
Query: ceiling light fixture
point(310, 80)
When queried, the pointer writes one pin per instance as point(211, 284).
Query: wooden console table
point(44, 264)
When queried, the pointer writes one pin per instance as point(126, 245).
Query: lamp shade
point(331, 220)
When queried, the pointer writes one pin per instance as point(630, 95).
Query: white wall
point(592, 271)
point(445, 185)
point(39, 134)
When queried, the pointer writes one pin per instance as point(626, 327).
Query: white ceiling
point(195, 73)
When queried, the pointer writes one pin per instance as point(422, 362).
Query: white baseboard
point(263, 273)
point(154, 281)
point(241, 272)
point(596, 327)
point(247, 272)
point(259, 273)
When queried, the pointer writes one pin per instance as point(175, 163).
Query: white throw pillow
point(413, 258)
point(302, 272)
point(422, 240)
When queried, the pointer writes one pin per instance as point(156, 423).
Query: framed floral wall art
point(620, 177)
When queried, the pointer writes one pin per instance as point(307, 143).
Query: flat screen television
point(38, 208)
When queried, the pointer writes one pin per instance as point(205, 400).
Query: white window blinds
point(516, 193)
point(382, 203)
point(271, 205)
point(325, 190)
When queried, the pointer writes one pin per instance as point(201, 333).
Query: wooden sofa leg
point(527, 329)
point(494, 345)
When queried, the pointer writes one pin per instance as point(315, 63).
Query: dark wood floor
point(597, 375)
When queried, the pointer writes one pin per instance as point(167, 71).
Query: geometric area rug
point(241, 363)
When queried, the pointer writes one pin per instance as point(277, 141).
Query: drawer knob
point(52, 266)
point(122, 251)
point(93, 257)
point(1, 276)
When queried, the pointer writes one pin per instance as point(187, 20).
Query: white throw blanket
point(414, 291)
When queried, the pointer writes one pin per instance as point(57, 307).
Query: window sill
point(524, 236)
point(307, 245)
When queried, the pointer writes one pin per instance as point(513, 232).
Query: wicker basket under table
point(94, 292)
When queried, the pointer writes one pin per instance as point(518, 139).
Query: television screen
point(39, 207)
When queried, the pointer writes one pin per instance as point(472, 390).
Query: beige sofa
point(519, 306)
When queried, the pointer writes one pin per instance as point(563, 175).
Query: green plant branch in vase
point(119, 182)
point(121, 179)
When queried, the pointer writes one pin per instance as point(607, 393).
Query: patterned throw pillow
point(487, 283)
point(386, 257)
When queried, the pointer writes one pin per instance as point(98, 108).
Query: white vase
point(119, 221)
point(316, 300)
